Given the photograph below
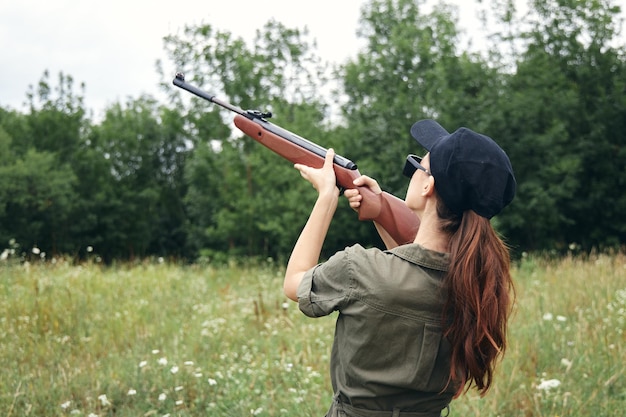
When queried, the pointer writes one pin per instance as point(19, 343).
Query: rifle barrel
point(179, 81)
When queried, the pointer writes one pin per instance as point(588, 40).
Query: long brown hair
point(480, 296)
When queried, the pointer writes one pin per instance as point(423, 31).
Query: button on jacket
point(389, 351)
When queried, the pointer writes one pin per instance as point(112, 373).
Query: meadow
point(161, 339)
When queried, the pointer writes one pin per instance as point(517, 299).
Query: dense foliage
point(175, 180)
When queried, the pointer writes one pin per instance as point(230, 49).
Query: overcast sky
point(112, 45)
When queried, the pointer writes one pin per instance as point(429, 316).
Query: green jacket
point(389, 351)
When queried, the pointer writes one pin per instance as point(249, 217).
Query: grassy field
point(157, 339)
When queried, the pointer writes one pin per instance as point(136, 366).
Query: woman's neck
point(429, 235)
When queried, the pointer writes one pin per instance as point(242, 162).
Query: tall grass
point(154, 339)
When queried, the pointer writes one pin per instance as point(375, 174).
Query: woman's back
point(389, 349)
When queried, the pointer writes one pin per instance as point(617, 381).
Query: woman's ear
point(429, 186)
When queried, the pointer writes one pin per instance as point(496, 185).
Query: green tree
point(243, 198)
point(562, 119)
point(6, 159)
point(40, 197)
point(38, 181)
point(132, 181)
point(57, 117)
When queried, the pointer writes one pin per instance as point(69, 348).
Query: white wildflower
point(163, 361)
point(131, 392)
point(548, 384)
point(104, 400)
point(162, 396)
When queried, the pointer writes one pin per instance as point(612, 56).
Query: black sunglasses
point(412, 164)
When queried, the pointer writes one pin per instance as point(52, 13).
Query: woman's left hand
point(323, 179)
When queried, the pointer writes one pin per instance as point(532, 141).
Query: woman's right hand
point(354, 196)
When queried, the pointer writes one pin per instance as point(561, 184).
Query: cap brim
point(428, 132)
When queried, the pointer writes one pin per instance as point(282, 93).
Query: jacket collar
point(419, 255)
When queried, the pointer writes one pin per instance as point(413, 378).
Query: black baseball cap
point(471, 171)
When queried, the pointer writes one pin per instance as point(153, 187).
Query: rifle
point(387, 210)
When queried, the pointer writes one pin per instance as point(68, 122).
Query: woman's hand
point(354, 196)
point(323, 179)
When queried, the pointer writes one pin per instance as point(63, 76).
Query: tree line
point(177, 180)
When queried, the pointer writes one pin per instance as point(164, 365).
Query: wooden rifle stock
point(385, 209)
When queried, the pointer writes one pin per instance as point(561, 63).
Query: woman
point(418, 324)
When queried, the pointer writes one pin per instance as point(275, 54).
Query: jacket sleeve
point(326, 287)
